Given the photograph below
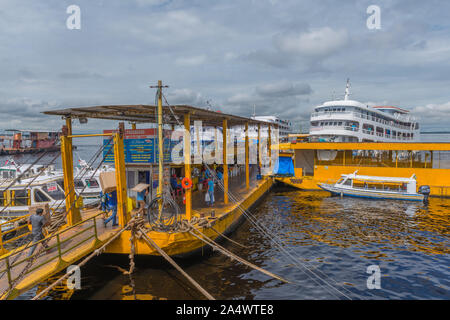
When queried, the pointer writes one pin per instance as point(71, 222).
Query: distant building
point(284, 126)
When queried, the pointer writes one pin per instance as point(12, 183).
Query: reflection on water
point(336, 239)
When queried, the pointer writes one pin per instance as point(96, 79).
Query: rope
point(54, 226)
point(82, 263)
point(151, 243)
point(232, 256)
point(274, 239)
point(262, 229)
point(225, 237)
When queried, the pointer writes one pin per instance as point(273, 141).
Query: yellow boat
point(325, 162)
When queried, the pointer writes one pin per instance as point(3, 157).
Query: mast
point(160, 142)
point(347, 90)
point(159, 191)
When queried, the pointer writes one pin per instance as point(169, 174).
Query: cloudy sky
point(282, 56)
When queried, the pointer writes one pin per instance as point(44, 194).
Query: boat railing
point(348, 128)
point(61, 240)
point(363, 116)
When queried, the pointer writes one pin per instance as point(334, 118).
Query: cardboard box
point(108, 181)
point(140, 187)
point(45, 207)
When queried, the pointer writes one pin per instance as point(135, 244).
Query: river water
point(328, 244)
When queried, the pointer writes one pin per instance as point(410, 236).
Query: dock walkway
point(64, 248)
point(71, 244)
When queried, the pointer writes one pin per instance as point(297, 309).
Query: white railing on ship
point(334, 128)
point(362, 116)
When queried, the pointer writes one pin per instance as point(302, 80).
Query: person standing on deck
point(219, 174)
point(37, 222)
point(211, 191)
point(111, 204)
point(140, 198)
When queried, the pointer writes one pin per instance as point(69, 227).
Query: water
point(336, 239)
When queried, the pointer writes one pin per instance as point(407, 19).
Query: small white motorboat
point(375, 187)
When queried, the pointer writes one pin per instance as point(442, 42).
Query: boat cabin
point(394, 184)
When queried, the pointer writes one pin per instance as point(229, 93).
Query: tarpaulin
point(284, 166)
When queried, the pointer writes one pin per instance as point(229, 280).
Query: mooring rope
point(55, 226)
point(82, 263)
point(152, 243)
point(226, 238)
point(262, 229)
point(273, 238)
point(231, 255)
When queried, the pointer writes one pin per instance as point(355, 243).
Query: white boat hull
point(371, 193)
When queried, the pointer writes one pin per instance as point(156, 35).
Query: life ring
point(186, 183)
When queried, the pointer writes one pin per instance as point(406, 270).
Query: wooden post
point(187, 163)
point(73, 215)
point(121, 182)
point(225, 164)
point(247, 169)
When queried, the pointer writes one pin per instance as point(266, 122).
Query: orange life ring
point(186, 183)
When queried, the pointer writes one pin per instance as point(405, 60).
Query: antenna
point(208, 103)
point(254, 110)
point(347, 89)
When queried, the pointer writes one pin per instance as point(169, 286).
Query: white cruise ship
point(284, 126)
point(351, 121)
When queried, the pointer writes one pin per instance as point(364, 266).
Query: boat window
point(92, 183)
point(78, 184)
point(348, 182)
point(53, 191)
point(39, 196)
point(130, 179)
point(60, 183)
point(5, 174)
point(20, 197)
point(2, 198)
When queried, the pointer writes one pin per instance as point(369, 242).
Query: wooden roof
point(147, 113)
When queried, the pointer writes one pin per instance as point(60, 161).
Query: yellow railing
point(10, 264)
point(11, 238)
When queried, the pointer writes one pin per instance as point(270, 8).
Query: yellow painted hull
point(437, 179)
point(181, 244)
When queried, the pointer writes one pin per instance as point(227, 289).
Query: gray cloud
point(234, 53)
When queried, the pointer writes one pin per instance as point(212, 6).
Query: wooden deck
point(72, 244)
point(65, 248)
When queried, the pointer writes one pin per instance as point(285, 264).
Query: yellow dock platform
point(72, 244)
point(65, 248)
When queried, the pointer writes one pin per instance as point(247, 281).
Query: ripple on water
point(331, 242)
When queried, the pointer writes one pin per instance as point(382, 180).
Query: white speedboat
point(11, 170)
point(48, 188)
point(375, 187)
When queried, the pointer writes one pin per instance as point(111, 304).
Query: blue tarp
point(284, 166)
